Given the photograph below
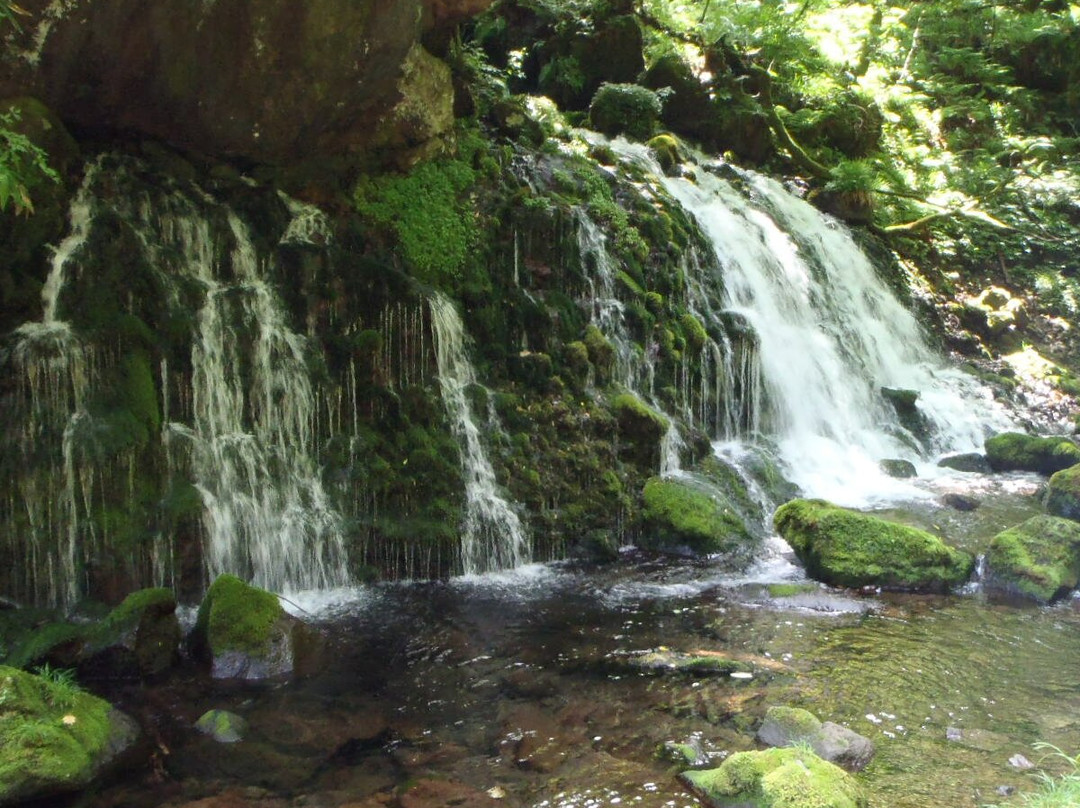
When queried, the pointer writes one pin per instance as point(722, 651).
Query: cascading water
point(249, 447)
point(830, 336)
point(493, 537)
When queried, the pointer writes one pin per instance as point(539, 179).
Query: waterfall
point(829, 337)
point(245, 435)
point(267, 515)
point(493, 537)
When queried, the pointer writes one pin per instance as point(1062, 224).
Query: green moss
point(237, 617)
point(667, 150)
point(791, 590)
point(40, 644)
point(677, 514)
point(628, 109)
point(1063, 493)
point(600, 351)
point(777, 778)
point(54, 738)
point(1039, 558)
point(847, 548)
point(795, 722)
point(1015, 451)
point(694, 331)
point(691, 664)
point(429, 213)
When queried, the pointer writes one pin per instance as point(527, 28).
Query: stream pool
point(526, 689)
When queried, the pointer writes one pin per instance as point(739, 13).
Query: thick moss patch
point(1015, 451)
point(679, 515)
point(847, 548)
point(56, 738)
point(1063, 493)
point(237, 617)
point(1039, 559)
point(776, 778)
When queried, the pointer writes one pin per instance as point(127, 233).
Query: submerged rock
point(222, 726)
point(848, 548)
point(1015, 451)
point(1063, 493)
point(56, 738)
point(140, 636)
point(960, 502)
point(699, 663)
point(245, 633)
point(790, 726)
point(1038, 559)
point(678, 515)
point(776, 778)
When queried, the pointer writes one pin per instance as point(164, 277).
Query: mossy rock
point(625, 109)
point(776, 778)
point(56, 738)
point(1015, 451)
point(668, 152)
point(792, 726)
point(244, 632)
point(847, 548)
point(58, 644)
point(901, 469)
point(1038, 559)
point(222, 726)
point(140, 636)
point(971, 462)
point(700, 663)
point(679, 515)
point(1063, 493)
point(907, 412)
point(641, 428)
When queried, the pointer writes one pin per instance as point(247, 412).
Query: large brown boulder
point(268, 80)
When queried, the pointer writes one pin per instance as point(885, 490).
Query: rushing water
point(829, 337)
point(493, 537)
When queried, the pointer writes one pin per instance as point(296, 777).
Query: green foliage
point(628, 109)
point(64, 688)
point(22, 164)
point(429, 213)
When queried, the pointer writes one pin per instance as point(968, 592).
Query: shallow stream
point(524, 688)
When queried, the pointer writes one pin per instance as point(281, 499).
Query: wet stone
point(961, 502)
point(222, 726)
point(444, 794)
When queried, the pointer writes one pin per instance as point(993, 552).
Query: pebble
point(1018, 761)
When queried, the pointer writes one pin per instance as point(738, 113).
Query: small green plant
point(22, 164)
point(63, 686)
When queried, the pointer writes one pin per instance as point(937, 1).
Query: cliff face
point(268, 80)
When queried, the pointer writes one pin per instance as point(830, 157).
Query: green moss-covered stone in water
point(56, 738)
point(625, 109)
point(1039, 559)
point(896, 467)
point(222, 726)
point(1063, 493)
point(1015, 451)
point(244, 631)
point(641, 428)
point(677, 515)
point(692, 664)
point(667, 150)
point(776, 778)
point(848, 548)
point(145, 625)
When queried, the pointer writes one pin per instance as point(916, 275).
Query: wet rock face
point(266, 80)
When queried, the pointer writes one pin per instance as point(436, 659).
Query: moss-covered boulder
point(141, 636)
point(640, 429)
point(971, 462)
point(1038, 559)
point(1015, 451)
point(222, 726)
point(56, 738)
point(776, 778)
point(791, 726)
point(625, 109)
point(679, 515)
point(844, 547)
point(897, 467)
point(1063, 493)
point(245, 633)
